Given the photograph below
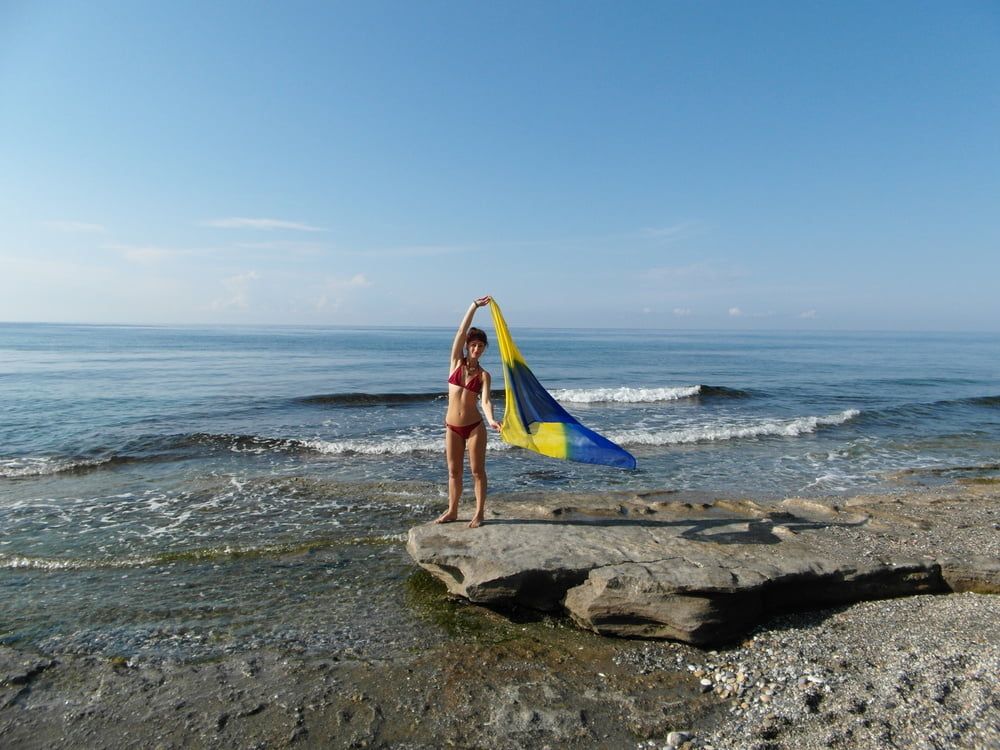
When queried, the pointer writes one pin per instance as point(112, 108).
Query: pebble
point(676, 739)
point(920, 670)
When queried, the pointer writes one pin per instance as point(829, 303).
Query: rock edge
point(706, 572)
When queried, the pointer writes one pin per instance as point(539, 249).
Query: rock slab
point(699, 572)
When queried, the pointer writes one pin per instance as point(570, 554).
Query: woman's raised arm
point(458, 345)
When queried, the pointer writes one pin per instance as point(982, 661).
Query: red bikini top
point(475, 385)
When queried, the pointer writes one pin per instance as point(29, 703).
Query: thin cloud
point(683, 312)
point(237, 292)
point(807, 314)
point(735, 312)
point(241, 222)
point(74, 227)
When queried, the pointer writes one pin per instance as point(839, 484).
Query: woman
point(464, 429)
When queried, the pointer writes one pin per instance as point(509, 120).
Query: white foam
point(624, 395)
point(34, 466)
point(830, 481)
point(395, 446)
point(714, 433)
point(40, 563)
point(153, 531)
point(387, 447)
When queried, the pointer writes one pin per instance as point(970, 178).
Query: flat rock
point(663, 566)
point(17, 670)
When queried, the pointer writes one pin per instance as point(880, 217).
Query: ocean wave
point(721, 391)
point(981, 469)
point(370, 399)
point(378, 399)
point(260, 444)
point(32, 466)
point(368, 446)
point(180, 446)
point(992, 401)
point(986, 401)
point(153, 448)
point(624, 395)
point(375, 447)
point(237, 443)
point(718, 433)
point(387, 446)
point(618, 394)
point(904, 413)
point(423, 441)
point(142, 449)
point(36, 466)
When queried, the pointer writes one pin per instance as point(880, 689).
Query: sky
point(665, 165)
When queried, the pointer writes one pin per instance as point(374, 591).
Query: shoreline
point(908, 672)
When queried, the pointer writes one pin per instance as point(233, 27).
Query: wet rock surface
point(497, 685)
point(917, 672)
point(914, 672)
point(705, 572)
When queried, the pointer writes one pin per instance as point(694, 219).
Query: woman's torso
point(464, 388)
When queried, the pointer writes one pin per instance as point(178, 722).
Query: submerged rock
point(700, 572)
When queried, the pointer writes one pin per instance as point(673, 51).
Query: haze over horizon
point(657, 165)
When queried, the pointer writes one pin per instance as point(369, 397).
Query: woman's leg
point(477, 465)
point(454, 448)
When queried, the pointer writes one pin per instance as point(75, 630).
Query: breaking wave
point(378, 399)
point(624, 395)
point(370, 399)
point(620, 395)
point(375, 446)
point(989, 401)
point(37, 466)
point(717, 433)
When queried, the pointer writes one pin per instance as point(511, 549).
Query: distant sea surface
point(187, 492)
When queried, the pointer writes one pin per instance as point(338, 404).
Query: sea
point(183, 493)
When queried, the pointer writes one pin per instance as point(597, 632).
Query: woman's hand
point(496, 426)
point(483, 301)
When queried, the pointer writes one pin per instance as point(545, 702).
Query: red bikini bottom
point(464, 430)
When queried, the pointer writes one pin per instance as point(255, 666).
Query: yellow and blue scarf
point(533, 419)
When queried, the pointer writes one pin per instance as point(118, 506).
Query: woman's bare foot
point(476, 521)
point(447, 517)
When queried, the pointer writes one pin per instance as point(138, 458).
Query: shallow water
point(185, 492)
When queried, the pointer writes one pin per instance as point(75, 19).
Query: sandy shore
point(917, 672)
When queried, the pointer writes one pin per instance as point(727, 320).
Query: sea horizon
point(488, 325)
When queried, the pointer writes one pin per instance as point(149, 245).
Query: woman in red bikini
point(464, 429)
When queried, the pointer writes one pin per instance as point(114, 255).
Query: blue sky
point(640, 164)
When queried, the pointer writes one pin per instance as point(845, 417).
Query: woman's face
point(476, 349)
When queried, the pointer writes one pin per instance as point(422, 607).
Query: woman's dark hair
point(476, 334)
